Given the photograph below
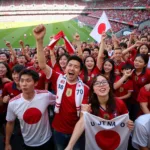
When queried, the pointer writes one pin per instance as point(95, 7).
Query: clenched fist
point(8, 44)
point(39, 32)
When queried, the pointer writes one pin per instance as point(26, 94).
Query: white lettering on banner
point(99, 131)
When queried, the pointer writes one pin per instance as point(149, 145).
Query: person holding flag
point(104, 105)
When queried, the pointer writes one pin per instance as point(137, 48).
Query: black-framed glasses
point(101, 83)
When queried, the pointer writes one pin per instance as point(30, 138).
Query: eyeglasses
point(101, 83)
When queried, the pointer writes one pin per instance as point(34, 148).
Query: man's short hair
point(34, 74)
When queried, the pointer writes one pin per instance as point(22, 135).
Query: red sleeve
point(143, 95)
point(133, 53)
point(49, 63)
point(121, 107)
point(148, 74)
point(117, 78)
point(4, 90)
point(53, 78)
point(96, 70)
point(130, 85)
point(86, 95)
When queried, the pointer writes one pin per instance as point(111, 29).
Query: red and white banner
point(104, 134)
point(102, 25)
point(57, 37)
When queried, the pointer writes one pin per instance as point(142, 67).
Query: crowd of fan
point(114, 58)
point(92, 22)
point(133, 16)
point(75, 3)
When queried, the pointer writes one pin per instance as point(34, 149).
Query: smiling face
point(72, 70)
point(107, 67)
point(144, 49)
point(139, 63)
point(89, 63)
point(61, 51)
point(63, 61)
point(101, 87)
point(117, 54)
point(3, 70)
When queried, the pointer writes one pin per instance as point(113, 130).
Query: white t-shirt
point(141, 134)
point(33, 116)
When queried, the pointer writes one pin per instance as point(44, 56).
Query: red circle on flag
point(32, 115)
point(107, 139)
point(101, 28)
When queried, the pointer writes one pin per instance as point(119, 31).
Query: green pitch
point(15, 34)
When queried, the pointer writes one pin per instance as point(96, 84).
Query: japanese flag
point(102, 25)
point(104, 134)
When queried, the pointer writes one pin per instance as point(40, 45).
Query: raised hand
point(8, 44)
point(6, 99)
point(21, 43)
point(39, 32)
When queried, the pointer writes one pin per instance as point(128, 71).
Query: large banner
point(104, 134)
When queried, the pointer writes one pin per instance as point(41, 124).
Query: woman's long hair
point(93, 99)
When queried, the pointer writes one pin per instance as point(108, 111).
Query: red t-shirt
point(144, 96)
point(12, 64)
point(120, 110)
point(42, 79)
point(138, 82)
point(91, 75)
point(118, 67)
point(48, 62)
point(124, 88)
point(11, 90)
point(65, 120)
point(133, 54)
point(3, 108)
point(58, 69)
point(28, 64)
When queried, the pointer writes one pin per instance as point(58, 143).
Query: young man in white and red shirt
point(30, 107)
point(71, 93)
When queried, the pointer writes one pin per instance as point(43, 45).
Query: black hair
point(21, 55)
point(34, 74)
point(27, 45)
point(105, 54)
point(124, 45)
point(17, 68)
point(96, 47)
point(57, 52)
point(87, 50)
point(82, 66)
point(93, 99)
point(127, 66)
point(118, 48)
point(143, 37)
point(7, 55)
